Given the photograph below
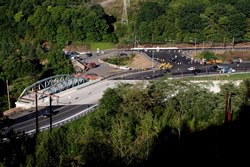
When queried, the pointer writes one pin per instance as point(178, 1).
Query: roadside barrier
point(64, 121)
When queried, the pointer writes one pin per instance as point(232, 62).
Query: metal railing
point(208, 75)
point(64, 121)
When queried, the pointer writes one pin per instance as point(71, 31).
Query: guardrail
point(64, 121)
point(207, 75)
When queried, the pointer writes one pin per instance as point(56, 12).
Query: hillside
point(135, 125)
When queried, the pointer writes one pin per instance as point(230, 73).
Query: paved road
point(71, 102)
point(106, 3)
point(187, 62)
point(28, 122)
point(102, 69)
point(179, 69)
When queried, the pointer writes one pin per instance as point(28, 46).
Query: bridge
point(50, 85)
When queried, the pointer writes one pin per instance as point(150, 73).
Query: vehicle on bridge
point(47, 113)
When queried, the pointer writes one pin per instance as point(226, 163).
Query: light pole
point(153, 59)
point(195, 43)
point(233, 44)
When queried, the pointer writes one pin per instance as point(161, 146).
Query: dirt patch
point(244, 55)
point(71, 48)
point(140, 62)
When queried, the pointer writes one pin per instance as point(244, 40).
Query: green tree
point(18, 16)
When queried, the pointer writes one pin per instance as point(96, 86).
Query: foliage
point(209, 56)
point(183, 21)
point(129, 123)
point(120, 60)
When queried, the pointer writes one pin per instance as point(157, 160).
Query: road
point(71, 102)
point(102, 69)
point(106, 3)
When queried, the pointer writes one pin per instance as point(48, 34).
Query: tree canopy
point(211, 20)
point(134, 125)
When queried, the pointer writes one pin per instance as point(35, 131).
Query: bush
point(208, 56)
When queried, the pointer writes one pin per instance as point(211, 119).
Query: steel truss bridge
point(54, 84)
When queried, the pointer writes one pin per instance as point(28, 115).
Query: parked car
point(89, 54)
point(125, 68)
point(236, 60)
point(191, 68)
point(122, 54)
point(196, 71)
point(227, 70)
point(149, 77)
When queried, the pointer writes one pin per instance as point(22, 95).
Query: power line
point(126, 3)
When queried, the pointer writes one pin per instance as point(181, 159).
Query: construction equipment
point(217, 61)
point(214, 62)
point(166, 66)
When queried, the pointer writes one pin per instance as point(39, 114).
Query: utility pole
point(37, 129)
point(124, 12)
point(233, 44)
point(135, 42)
point(50, 115)
point(226, 113)
point(50, 101)
point(8, 93)
point(152, 59)
point(224, 43)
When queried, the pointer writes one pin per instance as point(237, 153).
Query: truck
point(226, 70)
point(235, 60)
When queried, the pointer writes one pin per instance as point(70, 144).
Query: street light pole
point(37, 129)
point(8, 93)
point(152, 59)
point(233, 44)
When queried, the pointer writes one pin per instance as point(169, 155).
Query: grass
point(120, 60)
point(222, 77)
point(95, 45)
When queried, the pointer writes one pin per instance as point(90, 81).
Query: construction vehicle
point(217, 61)
point(165, 66)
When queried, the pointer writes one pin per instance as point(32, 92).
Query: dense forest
point(144, 125)
point(162, 21)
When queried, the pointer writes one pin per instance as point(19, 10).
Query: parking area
point(183, 64)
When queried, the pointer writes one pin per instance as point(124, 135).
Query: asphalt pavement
point(180, 67)
point(28, 122)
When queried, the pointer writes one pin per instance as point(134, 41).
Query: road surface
point(70, 102)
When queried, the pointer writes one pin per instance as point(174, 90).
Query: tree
point(237, 26)
point(18, 16)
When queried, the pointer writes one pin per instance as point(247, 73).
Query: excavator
point(165, 66)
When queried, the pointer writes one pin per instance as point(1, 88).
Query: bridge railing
point(64, 121)
point(44, 83)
